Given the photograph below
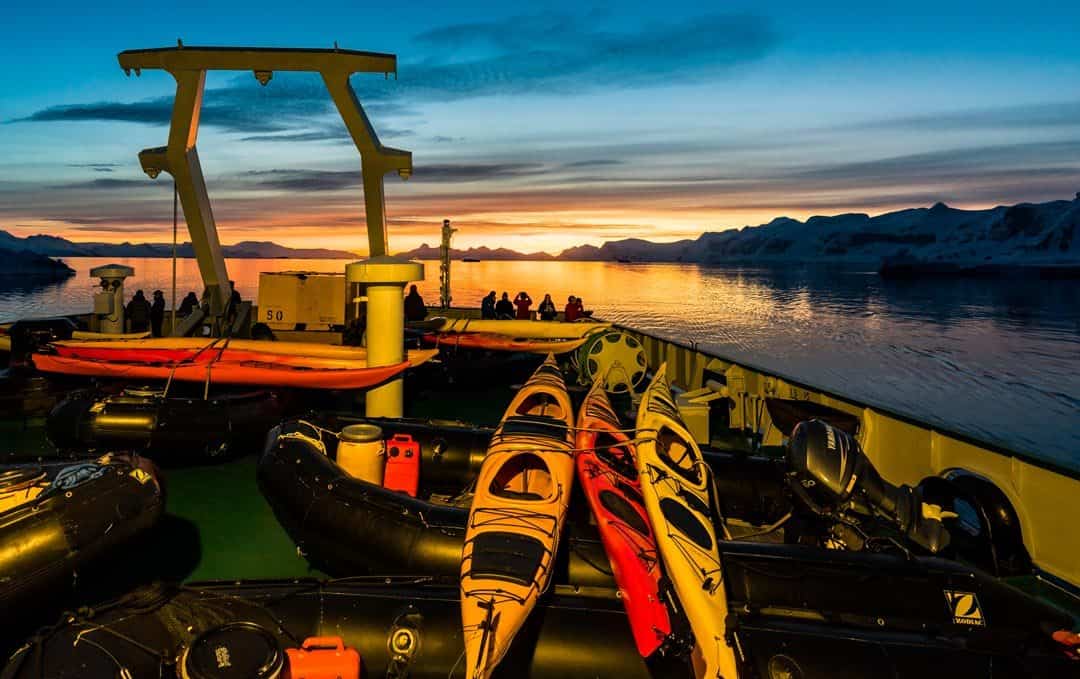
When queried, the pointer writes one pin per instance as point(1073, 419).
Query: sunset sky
point(554, 126)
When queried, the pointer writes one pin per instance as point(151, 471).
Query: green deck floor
point(217, 525)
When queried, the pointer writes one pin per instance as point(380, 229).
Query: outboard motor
point(830, 474)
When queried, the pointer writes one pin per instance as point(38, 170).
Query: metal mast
point(444, 265)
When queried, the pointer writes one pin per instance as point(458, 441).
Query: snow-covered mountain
point(935, 239)
point(1043, 234)
point(1027, 234)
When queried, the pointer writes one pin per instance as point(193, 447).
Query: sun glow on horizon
point(550, 129)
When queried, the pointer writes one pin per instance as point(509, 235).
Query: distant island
point(32, 265)
point(53, 246)
point(938, 240)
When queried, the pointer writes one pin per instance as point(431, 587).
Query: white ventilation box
point(291, 300)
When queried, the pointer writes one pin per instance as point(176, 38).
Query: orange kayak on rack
point(180, 348)
point(491, 341)
point(228, 353)
point(252, 373)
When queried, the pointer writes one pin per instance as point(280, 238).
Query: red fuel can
point(402, 464)
point(323, 658)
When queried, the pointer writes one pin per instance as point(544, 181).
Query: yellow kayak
point(182, 345)
point(516, 517)
point(524, 329)
point(678, 489)
point(491, 342)
point(5, 340)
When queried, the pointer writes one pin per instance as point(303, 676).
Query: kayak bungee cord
point(189, 359)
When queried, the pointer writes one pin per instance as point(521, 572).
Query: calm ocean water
point(998, 360)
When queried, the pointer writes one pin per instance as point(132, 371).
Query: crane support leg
point(181, 159)
point(376, 160)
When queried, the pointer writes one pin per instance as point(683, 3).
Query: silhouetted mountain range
point(425, 251)
point(937, 238)
point(54, 246)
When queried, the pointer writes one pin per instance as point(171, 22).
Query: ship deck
point(219, 527)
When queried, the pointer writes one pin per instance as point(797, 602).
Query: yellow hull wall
point(904, 451)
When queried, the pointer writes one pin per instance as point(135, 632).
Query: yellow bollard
point(385, 279)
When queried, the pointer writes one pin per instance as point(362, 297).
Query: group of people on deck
point(492, 307)
point(140, 315)
point(503, 308)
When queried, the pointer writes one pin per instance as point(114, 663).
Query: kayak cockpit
point(678, 455)
point(542, 404)
point(524, 477)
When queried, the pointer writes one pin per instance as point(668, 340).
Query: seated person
point(547, 309)
point(572, 312)
point(487, 306)
point(504, 308)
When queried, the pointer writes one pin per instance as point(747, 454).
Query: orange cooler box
point(323, 658)
point(402, 464)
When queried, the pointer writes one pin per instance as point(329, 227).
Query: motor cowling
point(830, 474)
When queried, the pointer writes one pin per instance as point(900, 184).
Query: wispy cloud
point(599, 162)
point(1058, 114)
point(111, 183)
point(558, 52)
point(96, 167)
point(333, 133)
point(450, 173)
point(476, 172)
point(958, 164)
point(305, 180)
point(539, 54)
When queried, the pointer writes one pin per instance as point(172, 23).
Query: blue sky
point(553, 125)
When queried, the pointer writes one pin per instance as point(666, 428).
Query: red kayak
point(610, 481)
point(252, 373)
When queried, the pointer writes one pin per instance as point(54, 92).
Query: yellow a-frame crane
point(180, 158)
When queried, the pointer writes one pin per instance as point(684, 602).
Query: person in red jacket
point(572, 312)
point(523, 302)
point(580, 304)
